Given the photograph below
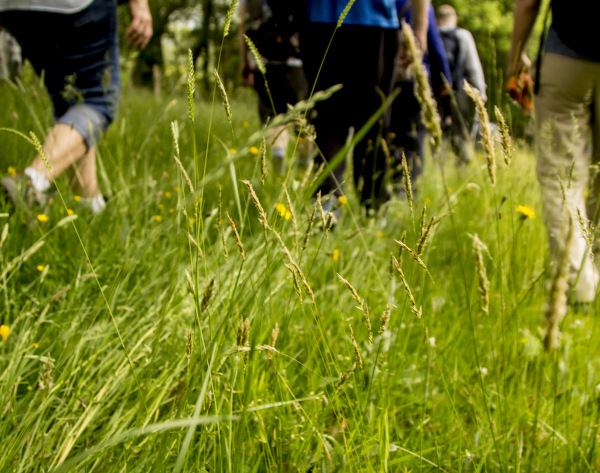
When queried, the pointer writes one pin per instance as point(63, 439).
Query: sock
point(38, 181)
point(95, 204)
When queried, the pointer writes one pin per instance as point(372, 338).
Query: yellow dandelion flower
point(168, 195)
point(171, 211)
point(287, 215)
point(40, 267)
point(335, 255)
point(158, 218)
point(232, 150)
point(281, 210)
point(70, 212)
point(176, 188)
point(246, 124)
point(76, 198)
point(12, 171)
point(343, 200)
point(43, 218)
point(4, 332)
point(380, 235)
point(36, 345)
point(161, 206)
point(427, 201)
point(253, 150)
point(525, 211)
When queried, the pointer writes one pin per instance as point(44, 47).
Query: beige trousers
point(567, 111)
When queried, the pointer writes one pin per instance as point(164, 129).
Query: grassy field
point(117, 361)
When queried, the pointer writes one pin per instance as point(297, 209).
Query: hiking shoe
point(19, 190)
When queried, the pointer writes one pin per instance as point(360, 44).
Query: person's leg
point(563, 117)
point(80, 61)
point(332, 119)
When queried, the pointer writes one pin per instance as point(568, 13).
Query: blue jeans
point(79, 56)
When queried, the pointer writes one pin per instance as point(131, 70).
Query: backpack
point(454, 55)
point(576, 23)
point(273, 29)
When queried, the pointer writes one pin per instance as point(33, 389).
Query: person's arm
point(420, 9)
point(140, 30)
point(525, 14)
point(473, 68)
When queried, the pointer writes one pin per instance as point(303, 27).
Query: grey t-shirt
point(56, 6)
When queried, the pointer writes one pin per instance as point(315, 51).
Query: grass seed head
point(263, 160)
point(229, 18)
point(356, 350)
point(189, 345)
point(351, 289)
point(224, 98)
point(309, 228)
point(209, 291)
point(484, 283)
point(238, 241)
point(368, 322)
point(506, 142)
point(345, 376)
point(385, 318)
point(344, 13)
point(191, 84)
point(257, 57)
point(486, 131)
point(274, 335)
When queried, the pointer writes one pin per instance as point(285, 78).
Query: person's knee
point(90, 121)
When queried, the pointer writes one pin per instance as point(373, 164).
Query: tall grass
point(270, 362)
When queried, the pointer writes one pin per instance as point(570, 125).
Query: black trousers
point(361, 58)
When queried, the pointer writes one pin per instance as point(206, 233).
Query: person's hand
point(520, 88)
point(140, 30)
point(421, 37)
point(521, 65)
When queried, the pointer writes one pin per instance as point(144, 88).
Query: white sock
point(95, 204)
point(38, 181)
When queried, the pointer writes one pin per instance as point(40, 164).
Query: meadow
point(152, 338)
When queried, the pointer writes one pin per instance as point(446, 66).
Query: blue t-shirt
point(380, 13)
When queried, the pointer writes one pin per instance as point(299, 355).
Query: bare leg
point(85, 180)
point(64, 147)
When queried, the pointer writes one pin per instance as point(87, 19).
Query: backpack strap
point(540, 53)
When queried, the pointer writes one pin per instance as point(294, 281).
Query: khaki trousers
point(567, 111)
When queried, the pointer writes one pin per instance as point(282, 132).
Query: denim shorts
point(78, 56)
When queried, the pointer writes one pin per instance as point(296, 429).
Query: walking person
point(567, 111)
point(361, 58)
point(74, 43)
point(464, 64)
point(271, 26)
point(407, 131)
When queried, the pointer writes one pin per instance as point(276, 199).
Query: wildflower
point(40, 267)
point(4, 332)
point(380, 235)
point(36, 345)
point(12, 171)
point(253, 150)
point(245, 124)
point(176, 188)
point(43, 218)
point(335, 255)
point(282, 211)
point(525, 211)
point(232, 150)
point(343, 200)
point(168, 195)
point(70, 212)
point(76, 198)
point(158, 218)
point(171, 211)
point(161, 206)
